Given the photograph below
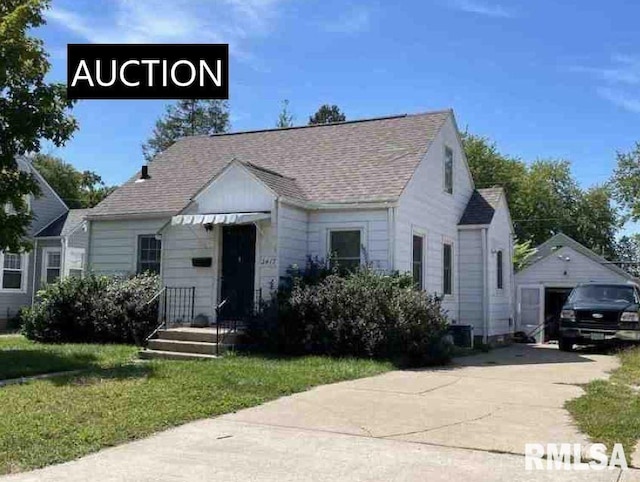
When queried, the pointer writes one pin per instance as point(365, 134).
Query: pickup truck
point(596, 313)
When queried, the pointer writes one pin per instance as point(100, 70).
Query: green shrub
point(364, 314)
point(94, 309)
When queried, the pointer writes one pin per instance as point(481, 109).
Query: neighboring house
point(59, 242)
point(228, 214)
point(549, 275)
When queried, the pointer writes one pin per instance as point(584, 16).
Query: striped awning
point(222, 218)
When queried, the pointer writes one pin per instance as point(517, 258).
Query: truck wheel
point(565, 344)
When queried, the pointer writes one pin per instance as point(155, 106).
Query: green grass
point(609, 411)
point(20, 357)
point(62, 418)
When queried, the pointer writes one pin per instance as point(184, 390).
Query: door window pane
point(499, 270)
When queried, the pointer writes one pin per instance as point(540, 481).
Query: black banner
point(148, 71)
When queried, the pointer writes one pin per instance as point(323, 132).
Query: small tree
point(31, 109)
point(327, 114)
point(285, 118)
point(626, 181)
point(190, 117)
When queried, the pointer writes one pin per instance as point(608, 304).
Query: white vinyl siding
point(424, 204)
point(293, 234)
point(373, 224)
point(114, 244)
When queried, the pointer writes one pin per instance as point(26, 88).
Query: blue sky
point(542, 78)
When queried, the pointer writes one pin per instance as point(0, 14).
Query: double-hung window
point(418, 261)
point(447, 268)
point(52, 267)
point(13, 272)
point(448, 170)
point(149, 251)
point(344, 248)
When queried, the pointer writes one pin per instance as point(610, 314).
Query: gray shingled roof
point(65, 224)
point(481, 206)
point(368, 160)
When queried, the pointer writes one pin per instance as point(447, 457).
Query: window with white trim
point(448, 170)
point(52, 266)
point(499, 270)
point(344, 248)
point(13, 271)
point(418, 261)
point(149, 252)
point(447, 268)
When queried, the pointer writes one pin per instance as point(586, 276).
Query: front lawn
point(609, 411)
point(20, 357)
point(58, 419)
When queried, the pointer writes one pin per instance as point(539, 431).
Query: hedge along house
point(59, 240)
point(550, 273)
point(228, 214)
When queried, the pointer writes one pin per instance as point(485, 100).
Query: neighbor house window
point(499, 270)
point(448, 170)
point(52, 265)
point(344, 248)
point(447, 269)
point(149, 249)
point(418, 261)
point(13, 271)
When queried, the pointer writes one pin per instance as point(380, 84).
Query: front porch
point(185, 343)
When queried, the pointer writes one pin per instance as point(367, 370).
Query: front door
point(238, 270)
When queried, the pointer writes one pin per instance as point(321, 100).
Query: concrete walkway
point(469, 421)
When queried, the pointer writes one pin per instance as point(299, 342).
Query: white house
point(549, 275)
point(228, 214)
point(59, 241)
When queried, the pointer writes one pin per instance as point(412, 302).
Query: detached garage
point(544, 284)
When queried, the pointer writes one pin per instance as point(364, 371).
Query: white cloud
point(481, 8)
point(618, 82)
point(354, 20)
point(177, 21)
point(621, 98)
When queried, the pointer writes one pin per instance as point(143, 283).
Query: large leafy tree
point(327, 114)
point(31, 110)
point(190, 117)
point(77, 189)
point(544, 197)
point(626, 181)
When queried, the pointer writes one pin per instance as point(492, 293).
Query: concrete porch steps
point(173, 355)
point(186, 343)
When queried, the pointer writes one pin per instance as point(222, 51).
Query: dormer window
point(448, 170)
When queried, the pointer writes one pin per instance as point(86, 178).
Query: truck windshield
point(604, 293)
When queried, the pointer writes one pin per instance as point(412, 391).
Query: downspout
point(35, 265)
point(485, 286)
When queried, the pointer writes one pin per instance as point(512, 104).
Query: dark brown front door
point(238, 270)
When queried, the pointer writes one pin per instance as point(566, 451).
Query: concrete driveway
point(470, 421)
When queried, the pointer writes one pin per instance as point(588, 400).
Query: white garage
point(550, 274)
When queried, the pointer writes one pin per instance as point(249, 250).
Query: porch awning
point(223, 218)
